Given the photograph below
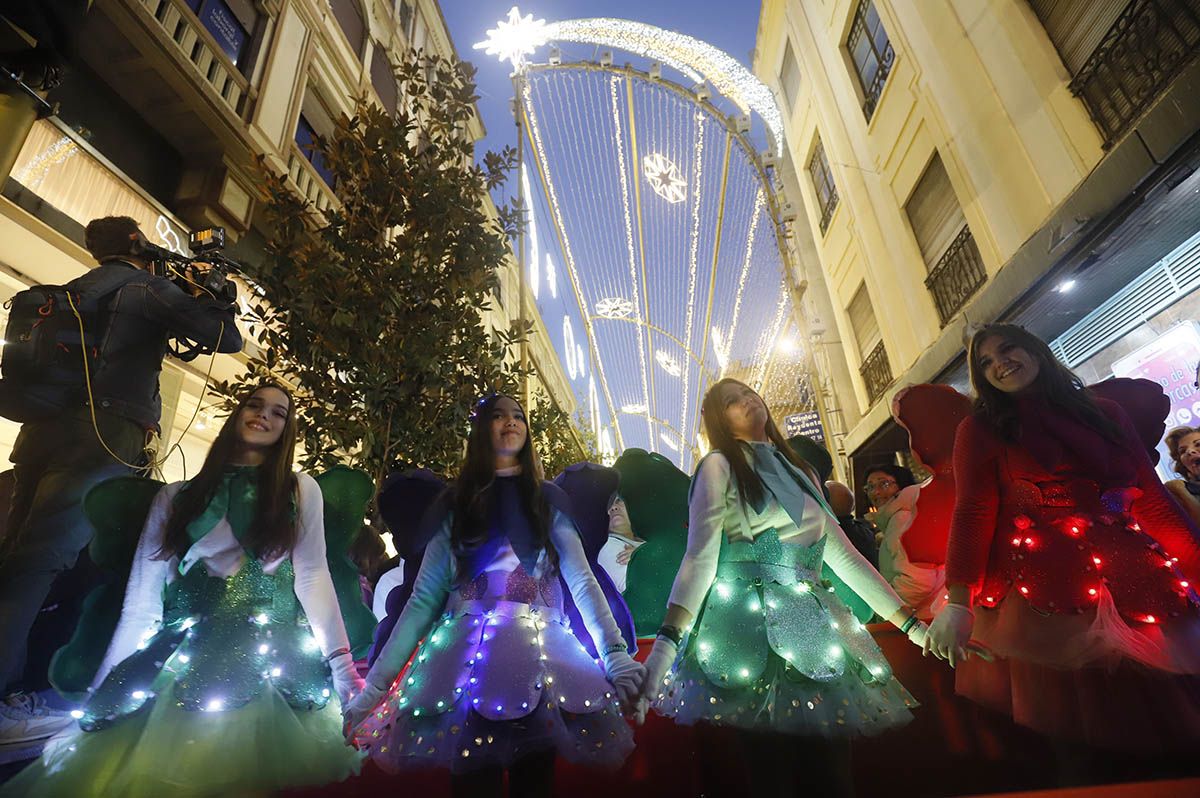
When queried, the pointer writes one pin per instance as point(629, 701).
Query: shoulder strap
point(109, 283)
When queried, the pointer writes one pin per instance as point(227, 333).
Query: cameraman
point(57, 462)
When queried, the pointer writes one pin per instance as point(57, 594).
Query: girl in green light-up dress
point(227, 667)
point(771, 649)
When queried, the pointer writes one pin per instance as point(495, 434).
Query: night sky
point(729, 26)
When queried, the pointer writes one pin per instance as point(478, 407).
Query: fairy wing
point(655, 493)
point(346, 492)
point(931, 414)
point(412, 503)
point(590, 488)
point(117, 510)
point(1145, 404)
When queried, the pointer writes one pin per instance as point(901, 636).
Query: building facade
point(966, 161)
point(163, 118)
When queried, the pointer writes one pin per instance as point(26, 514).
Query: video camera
point(183, 271)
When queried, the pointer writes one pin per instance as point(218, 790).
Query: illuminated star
point(614, 307)
point(513, 39)
point(664, 177)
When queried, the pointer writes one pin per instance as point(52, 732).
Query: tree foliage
point(375, 309)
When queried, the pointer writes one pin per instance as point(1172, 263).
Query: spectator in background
point(1183, 444)
point(860, 533)
point(893, 493)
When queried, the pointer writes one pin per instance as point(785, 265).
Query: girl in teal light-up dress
point(772, 651)
point(230, 663)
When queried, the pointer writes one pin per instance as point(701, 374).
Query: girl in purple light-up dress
point(500, 681)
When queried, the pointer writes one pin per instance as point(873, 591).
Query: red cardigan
point(1058, 532)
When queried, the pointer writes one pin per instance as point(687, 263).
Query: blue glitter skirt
point(494, 681)
point(774, 649)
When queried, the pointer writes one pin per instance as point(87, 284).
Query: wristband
point(672, 633)
point(336, 653)
point(613, 649)
point(909, 624)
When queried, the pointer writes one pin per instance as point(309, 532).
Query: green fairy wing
point(347, 491)
point(117, 510)
point(655, 493)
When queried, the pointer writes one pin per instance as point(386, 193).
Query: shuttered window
point(1077, 26)
point(934, 212)
point(383, 78)
point(789, 75)
point(863, 321)
point(350, 19)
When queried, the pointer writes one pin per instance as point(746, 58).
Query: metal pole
point(523, 313)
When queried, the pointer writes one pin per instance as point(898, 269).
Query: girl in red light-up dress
point(1080, 569)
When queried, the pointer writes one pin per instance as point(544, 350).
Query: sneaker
point(25, 718)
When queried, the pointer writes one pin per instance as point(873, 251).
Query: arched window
point(383, 78)
point(349, 15)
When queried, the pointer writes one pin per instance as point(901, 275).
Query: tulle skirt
point(1090, 677)
point(164, 750)
point(494, 681)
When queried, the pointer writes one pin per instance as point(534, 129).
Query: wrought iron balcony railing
point(876, 372)
point(1146, 48)
point(957, 275)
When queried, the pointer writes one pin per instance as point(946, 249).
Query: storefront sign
point(225, 28)
point(807, 424)
point(1170, 360)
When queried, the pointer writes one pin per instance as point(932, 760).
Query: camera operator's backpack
point(41, 363)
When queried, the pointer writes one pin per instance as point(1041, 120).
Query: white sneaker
point(26, 718)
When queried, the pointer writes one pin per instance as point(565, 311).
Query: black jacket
point(143, 315)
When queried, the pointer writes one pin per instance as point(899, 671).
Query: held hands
point(346, 681)
point(657, 665)
point(626, 676)
point(950, 634)
point(357, 710)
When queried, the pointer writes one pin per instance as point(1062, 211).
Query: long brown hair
point(716, 427)
point(472, 488)
point(1060, 386)
point(274, 530)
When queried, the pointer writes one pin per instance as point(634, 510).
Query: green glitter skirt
point(774, 649)
point(166, 750)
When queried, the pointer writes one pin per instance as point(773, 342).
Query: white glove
point(626, 675)
point(362, 705)
point(918, 633)
point(662, 656)
point(949, 634)
point(346, 681)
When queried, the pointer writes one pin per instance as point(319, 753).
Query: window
point(827, 196)
point(306, 139)
point(1076, 27)
point(789, 75)
point(231, 23)
point(863, 321)
point(383, 78)
point(934, 212)
point(871, 52)
point(405, 14)
point(350, 18)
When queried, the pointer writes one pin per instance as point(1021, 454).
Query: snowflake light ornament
point(614, 307)
point(668, 363)
point(664, 177)
point(514, 38)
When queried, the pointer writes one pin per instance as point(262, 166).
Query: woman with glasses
point(893, 493)
point(1070, 562)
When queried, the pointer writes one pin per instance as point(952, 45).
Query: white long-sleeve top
point(223, 556)
point(711, 513)
point(435, 582)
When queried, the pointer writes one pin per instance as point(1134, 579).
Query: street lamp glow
point(786, 345)
point(1065, 286)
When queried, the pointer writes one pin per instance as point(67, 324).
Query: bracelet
point(672, 633)
point(909, 624)
point(332, 655)
point(613, 649)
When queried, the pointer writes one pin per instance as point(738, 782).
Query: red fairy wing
point(1145, 404)
point(931, 414)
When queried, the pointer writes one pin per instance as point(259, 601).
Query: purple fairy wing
point(584, 495)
